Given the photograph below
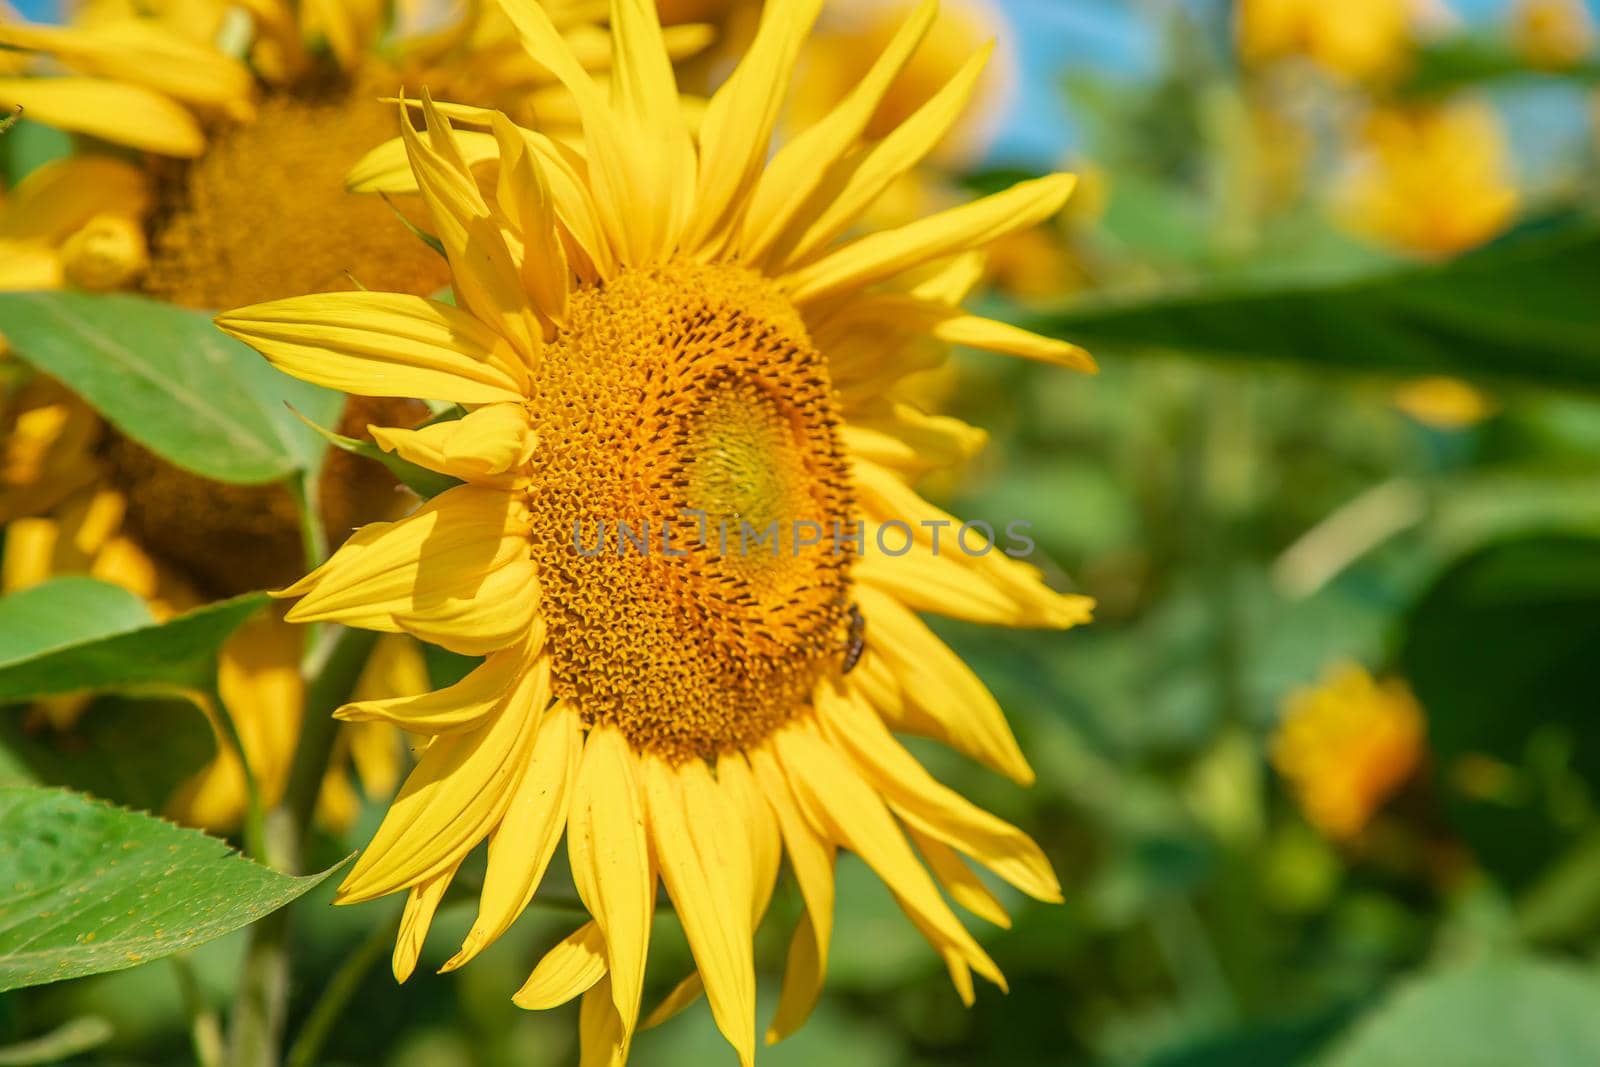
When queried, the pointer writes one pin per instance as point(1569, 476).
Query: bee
point(11, 120)
point(855, 640)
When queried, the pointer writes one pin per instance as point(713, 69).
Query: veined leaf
point(172, 381)
point(92, 888)
point(1518, 311)
point(84, 650)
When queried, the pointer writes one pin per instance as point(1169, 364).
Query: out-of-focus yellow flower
point(1359, 39)
point(77, 501)
point(852, 36)
point(1444, 403)
point(1432, 180)
point(1346, 745)
point(74, 220)
point(268, 110)
point(1553, 34)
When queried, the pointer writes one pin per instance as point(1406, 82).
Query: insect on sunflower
point(663, 323)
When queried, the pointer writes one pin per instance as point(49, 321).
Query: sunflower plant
point(653, 318)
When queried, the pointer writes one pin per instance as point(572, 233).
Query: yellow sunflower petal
point(380, 344)
point(766, 844)
point(926, 689)
point(481, 266)
point(644, 94)
point(568, 970)
point(610, 858)
point(959, 880)
point(58, 197)
point(457, 793)
point(522, 845)
point(880, 256)
point(1002, 337)
point(929, 806)
point(614, 174)
point(800, 166)
point(831, 790)
point(905, 439)
point(737, 129)
point(387, 169)
point(462, 706)
point(456, 572)
point(113, 111)
point(480, 447)
point(602, 1038)
point(703, 850)
point(524, 194)
point(886, 162)
point(811, 854)
point(135, 52)
point(945, 570)
point(421, 903)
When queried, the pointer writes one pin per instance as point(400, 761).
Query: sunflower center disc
point(686, 492)
point(264, 215)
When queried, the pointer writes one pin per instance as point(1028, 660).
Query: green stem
point(336, 996)
point(261, 1005)
point(205, 1029)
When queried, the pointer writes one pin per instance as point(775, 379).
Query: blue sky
point(1052, 37)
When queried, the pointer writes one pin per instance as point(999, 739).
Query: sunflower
point(1361, 40)
point(667, 332)
point(241, 134)
point(248, 124)
point(1431, 179)
point(1346, 745)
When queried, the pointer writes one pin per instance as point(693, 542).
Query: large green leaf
point(1518, 311)
point(1497, 1013)
point(116, 651)
point(91, 888)
point(169, 379)
point(1501, 653)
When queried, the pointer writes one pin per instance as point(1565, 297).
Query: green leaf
point(1526, 1012)
point(128, 750)
point(63, 612)
point(86, 653)
point(420, 480)
point(1500, 651)
point(169, 379)
point(93, 888)
point(1466, 60)
point(1518, 311)
point(26, 146)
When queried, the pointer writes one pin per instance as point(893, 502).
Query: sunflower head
point(685, 544)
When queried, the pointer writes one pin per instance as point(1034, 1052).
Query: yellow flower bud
point(108, 252)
